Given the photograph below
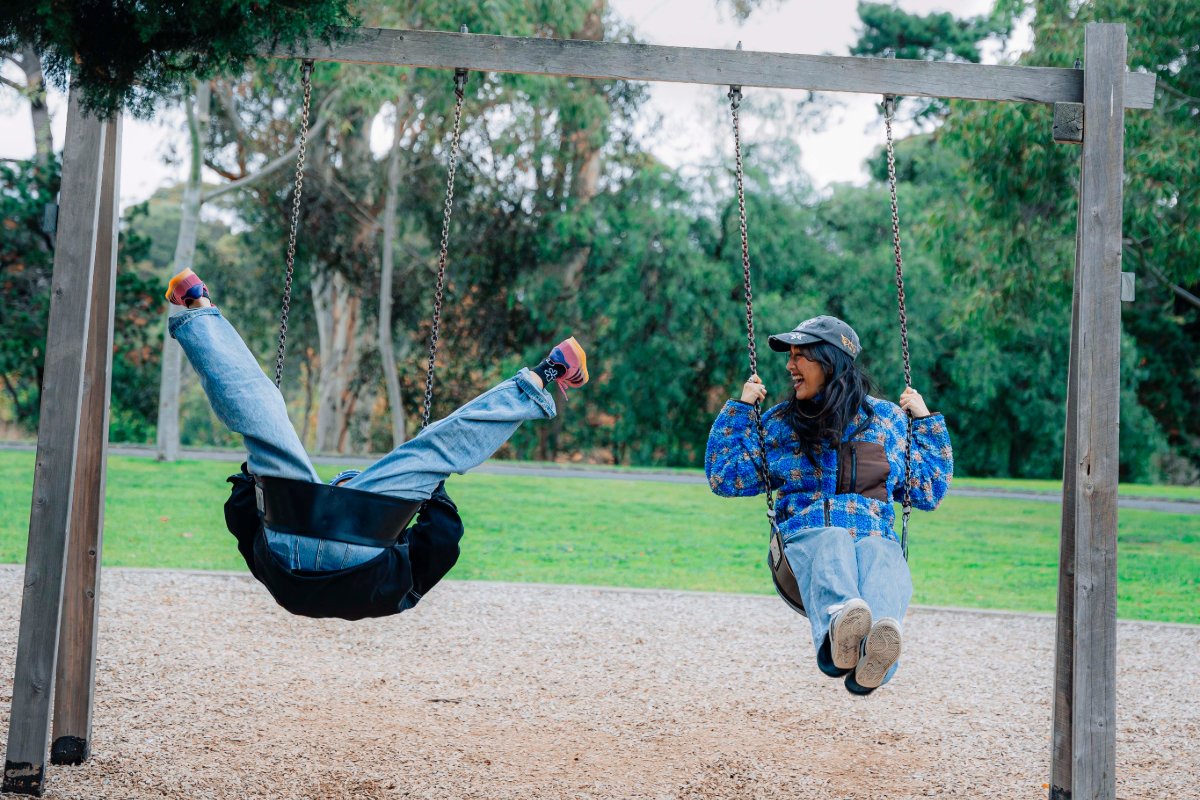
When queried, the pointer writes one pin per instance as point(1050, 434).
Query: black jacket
point(391, 582)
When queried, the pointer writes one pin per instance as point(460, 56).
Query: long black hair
point(824, 418)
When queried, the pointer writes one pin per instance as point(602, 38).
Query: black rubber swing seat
point(338, 513)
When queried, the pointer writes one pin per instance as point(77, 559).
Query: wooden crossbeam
point(645, 62)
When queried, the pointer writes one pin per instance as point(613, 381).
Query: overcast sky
point(694, 120)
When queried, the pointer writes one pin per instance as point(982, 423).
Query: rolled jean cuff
point(544, 399)
point(176, 321)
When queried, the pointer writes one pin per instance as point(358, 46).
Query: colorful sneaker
point(566, 365)
point(186, 286)
point(880, 650)
point(846, 633)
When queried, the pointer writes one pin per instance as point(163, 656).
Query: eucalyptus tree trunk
point(343, 400)
point(584, 157)
point(39, 112)
point(580, 158)
point(339, 311)
point(387, 351)
point(185, 254)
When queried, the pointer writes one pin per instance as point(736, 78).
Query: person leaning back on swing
point(320, 577)
point(837, 457)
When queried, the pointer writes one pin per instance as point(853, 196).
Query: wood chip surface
point(206, 689)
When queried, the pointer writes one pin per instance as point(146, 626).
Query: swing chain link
point(301, 143)
point(460, 81)
point(763, 469)
point(889, 110)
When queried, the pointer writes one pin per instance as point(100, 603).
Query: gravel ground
point(206, 689)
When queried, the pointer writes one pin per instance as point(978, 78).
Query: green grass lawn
point(980, 552)
point(1140, 490)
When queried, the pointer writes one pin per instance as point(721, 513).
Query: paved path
point(609, 474)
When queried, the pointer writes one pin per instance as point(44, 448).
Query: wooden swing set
point(56, 646)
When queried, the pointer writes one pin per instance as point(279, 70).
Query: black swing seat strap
point(781, 572)
point(338, 513)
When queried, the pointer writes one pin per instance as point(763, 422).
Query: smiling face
point(808, 377)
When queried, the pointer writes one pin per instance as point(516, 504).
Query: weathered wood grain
point(1128, 287)
point(1068, 123)
point(75, 676)
point(1093, 768)
point(1064, 637)
point(644, 62)
point(54, 469)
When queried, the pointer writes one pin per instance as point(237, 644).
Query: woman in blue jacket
point(836, 455)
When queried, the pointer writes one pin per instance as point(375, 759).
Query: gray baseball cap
point(819, 329)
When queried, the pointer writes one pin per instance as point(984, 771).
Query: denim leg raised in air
point(831, 567)
point(246, 400)
point(241, 394)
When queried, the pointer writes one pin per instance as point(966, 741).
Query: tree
point(1004, 234)
point(26, 259)
point(167, 440)
point(938, 36)
point(127, 55)
point(548, 135)
point(387, 267)
point(198, 111)
point(34, 91)
point(1160, 366)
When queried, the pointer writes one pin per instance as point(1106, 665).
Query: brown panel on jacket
point(863, 469)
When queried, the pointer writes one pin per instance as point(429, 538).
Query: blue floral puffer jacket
point(851, 486)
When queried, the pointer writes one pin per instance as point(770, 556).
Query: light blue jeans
point(246, 400)
point(832, 568)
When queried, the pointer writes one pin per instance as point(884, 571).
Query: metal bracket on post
point(735, 92)
point(460, 74)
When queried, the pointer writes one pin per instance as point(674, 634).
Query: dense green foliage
point(976, 552)
point(127, 54)
point(26, 260)
point(26, 255)
point(939, 36)
point(999, 222)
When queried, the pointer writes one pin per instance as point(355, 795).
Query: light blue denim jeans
point(246, 400)
point(832, 568)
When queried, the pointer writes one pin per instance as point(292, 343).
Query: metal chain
point(889, 109)
point(460, 82)
point(286, 305)
point(735, 101)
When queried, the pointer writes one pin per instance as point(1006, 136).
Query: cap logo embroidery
point(849, 344)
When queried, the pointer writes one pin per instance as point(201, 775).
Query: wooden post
point(75, 677)
point(1064, 647)
point(1093, 705)
point(54, 469)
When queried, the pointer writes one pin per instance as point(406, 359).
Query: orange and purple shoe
point(566, 365)
point(186, 286)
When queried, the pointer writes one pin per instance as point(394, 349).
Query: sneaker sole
point(583, 371)
point(882, 650)
point(853, 625)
